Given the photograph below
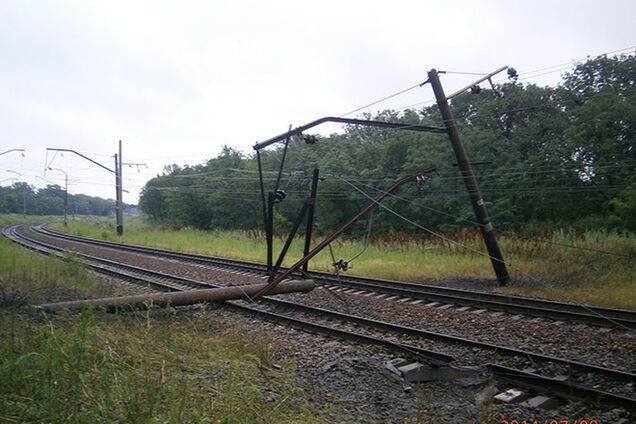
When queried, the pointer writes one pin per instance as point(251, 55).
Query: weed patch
point(141, 367)
point(144, 369)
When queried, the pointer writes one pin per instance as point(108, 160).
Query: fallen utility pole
point(468, 175)
point(420, 176)
point(190, 297)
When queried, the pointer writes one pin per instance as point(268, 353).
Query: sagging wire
point(404, 199)
point(341, 264)
point(582, 305)
point(282, 161)
point(248, 298)
point(411, 202)
point(367, 238)
point(384, 98)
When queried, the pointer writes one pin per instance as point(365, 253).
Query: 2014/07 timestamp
point(549, 421)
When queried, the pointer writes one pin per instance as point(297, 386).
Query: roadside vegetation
point(141, 369)
point(595, 267)
point(156, 366)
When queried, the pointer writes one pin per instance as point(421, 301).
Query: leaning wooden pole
point(189, 297)
point(479, 206)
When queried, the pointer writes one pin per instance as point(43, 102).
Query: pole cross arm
point(350, 121)
point(79, 154)
point(474, 83)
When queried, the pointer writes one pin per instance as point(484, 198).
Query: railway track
point(404, 291)
point(563, 377)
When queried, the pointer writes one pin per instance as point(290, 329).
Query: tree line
point(22, 197)
point(544, 157)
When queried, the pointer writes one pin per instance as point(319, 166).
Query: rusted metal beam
point(81, 155)
point(272, 284)
point(189, 297)
point(350, 121)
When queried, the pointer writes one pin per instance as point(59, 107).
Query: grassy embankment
point(145, 367)
point(541, 267)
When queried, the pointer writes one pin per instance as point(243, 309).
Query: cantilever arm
point(364, 122)
point(13, 150)
point(79, 154)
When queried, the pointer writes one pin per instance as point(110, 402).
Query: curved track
point(588, 314)
point(366, 330)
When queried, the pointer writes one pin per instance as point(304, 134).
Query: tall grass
point(134, 368)
point(593, 267)
point(26, 277)
point(139, 370)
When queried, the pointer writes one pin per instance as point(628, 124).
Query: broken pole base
point(189, 297)
point(415, 372)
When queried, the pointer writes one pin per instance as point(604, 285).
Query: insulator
point(279, 196)
point(341, 265)
point(475, 89)
point(310, 139)
point(421, 179)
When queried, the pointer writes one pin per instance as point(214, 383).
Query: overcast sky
point(176, 80)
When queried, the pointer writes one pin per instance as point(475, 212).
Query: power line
point(575, 61)
point(526, 75)
point(383, 99)
point(509, 232)
point(566, 65)
point(466, 73)
point(428, 230)
point(572, 246)
point(422, 103)
point(467, 247)
point(512, 175)
point(176, 157)
point(457, 218)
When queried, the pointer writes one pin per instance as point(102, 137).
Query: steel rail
point(595, 315)
point(431, 357)
point(386, 326)
point(500, 372)
point(559, 388)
